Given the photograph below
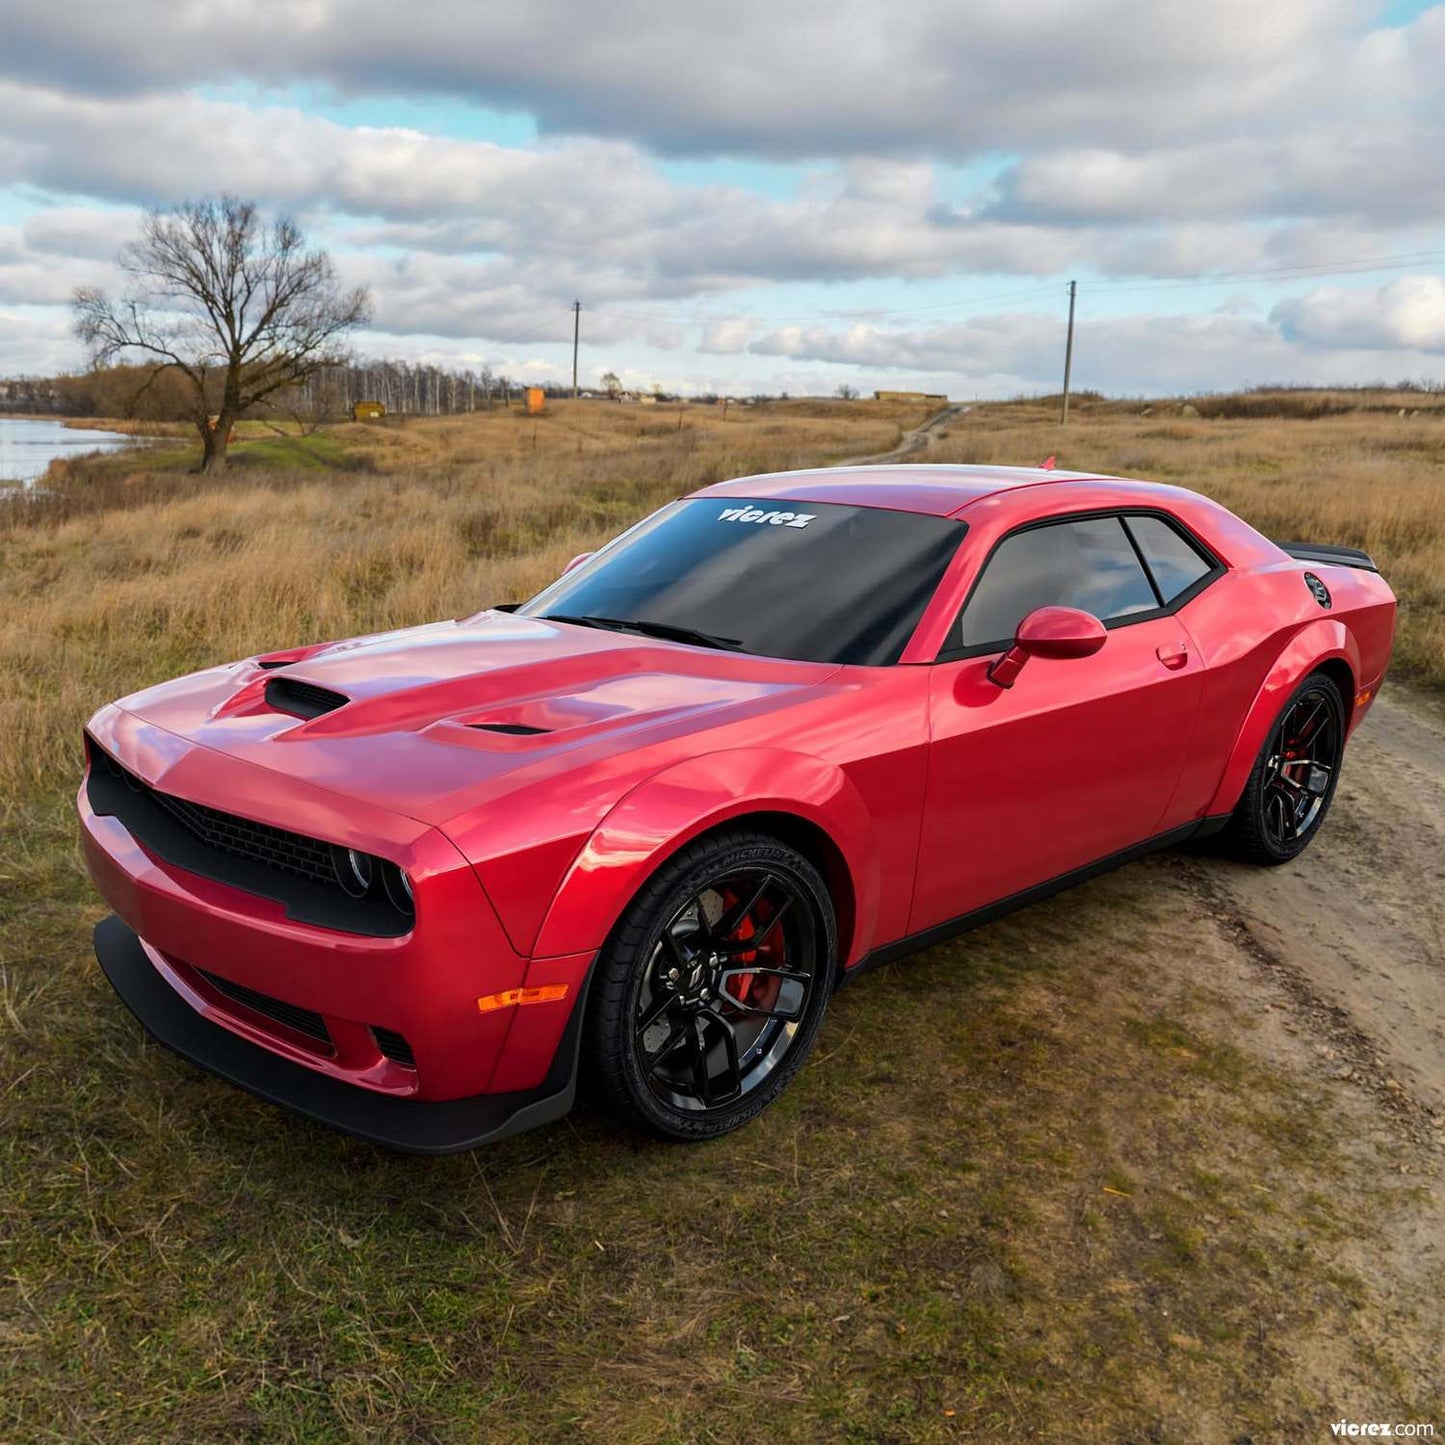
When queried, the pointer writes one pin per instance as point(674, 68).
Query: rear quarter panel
point(1261, 633)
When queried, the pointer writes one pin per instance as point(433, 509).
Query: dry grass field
point(1075, 1177)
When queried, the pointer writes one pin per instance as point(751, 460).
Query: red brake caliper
point(748, 988)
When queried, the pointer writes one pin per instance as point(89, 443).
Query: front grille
point(278, 847)
point(394, 1047)
point(292, 852)
point(303, 1020)
point(303, 699)
point(292, 869)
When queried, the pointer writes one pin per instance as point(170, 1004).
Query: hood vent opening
point(302, 699)
point(270, 664)
point(516, 730)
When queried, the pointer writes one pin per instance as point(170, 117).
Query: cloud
point(1116, 139)
point(821, 78)
point(1135, 355)
point(1406, 314)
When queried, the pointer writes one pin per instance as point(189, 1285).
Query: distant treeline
point(146, 394)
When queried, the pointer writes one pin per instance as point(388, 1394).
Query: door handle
point(1173, 655)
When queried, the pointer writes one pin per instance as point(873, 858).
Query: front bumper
point(416, 1126)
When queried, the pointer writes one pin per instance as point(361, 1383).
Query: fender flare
point(1325, 640)
point(667, 811)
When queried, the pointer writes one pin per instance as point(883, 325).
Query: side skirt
point(965, 922)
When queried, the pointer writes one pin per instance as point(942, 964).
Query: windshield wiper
point(665, 630)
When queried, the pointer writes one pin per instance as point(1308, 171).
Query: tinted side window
point(1175, 563)
point(1088, 564)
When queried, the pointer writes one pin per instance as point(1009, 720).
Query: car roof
point(935, 491)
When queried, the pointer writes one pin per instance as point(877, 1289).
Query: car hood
point(431, 721)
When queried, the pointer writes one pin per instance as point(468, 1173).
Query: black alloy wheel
point(1293, 781)
point(712, 988)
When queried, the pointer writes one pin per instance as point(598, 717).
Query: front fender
point(673, 807)
point(1321, 641)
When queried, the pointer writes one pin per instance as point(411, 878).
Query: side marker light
point(542, 993)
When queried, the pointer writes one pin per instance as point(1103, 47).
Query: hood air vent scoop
point(302, 699)
point(516, 730)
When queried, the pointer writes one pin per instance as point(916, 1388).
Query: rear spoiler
point(1334, 556)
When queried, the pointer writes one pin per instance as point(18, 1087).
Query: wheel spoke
point(1303, 730)
point(1283, 780)
point(1285, 815)
point(702, 1080)
point(739, 914)
point(658, 1012)
point(734, 1073)
point(735, 947)
point(792, 992)
point(674, 948)
point(680, 1031)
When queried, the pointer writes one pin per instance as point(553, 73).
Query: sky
point(755, 197)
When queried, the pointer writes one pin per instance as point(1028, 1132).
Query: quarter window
point(1176, 564)
point(1089, 564)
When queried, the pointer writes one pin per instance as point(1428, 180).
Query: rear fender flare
point(670, 809)
point(1319, 642)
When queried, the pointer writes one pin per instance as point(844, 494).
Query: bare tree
point(236, 304)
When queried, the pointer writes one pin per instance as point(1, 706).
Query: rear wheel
point(1293, 780)
point(712, 988)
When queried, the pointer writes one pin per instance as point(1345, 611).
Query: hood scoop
point(515, 730)
point(302, 699)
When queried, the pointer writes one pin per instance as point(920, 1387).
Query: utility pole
point(1068, 354)
point(576, 333)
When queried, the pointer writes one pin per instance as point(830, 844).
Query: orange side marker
point(542, 993)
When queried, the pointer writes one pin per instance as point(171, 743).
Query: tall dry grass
point(1368, 478)
point(129, 573)
point(124, 574)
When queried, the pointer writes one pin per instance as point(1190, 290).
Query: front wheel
point(712, 988)
point(1293, 780)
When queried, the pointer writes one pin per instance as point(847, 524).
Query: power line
point(1318, 270)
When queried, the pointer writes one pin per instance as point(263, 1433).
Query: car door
point(1078, 760)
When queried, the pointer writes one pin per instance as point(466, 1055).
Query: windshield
point(811, 581)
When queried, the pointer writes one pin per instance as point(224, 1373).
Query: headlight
point(355, 871)
point(398, 888)
point(361, 875)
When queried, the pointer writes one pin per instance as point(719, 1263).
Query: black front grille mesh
point(292, 852)
point(303, 1020)
point(293, 869)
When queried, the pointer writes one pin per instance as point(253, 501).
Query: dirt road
point(912, 442)
point(1358, 924)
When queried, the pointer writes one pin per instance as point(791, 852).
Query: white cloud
point(1408, 314)
point(1136, 355)
point(1143, 142)
point(819, 78)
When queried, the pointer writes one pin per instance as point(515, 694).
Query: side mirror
point(1056, 632)
point(577, 561)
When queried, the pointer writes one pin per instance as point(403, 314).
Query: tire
point(689, 1033)
point(1287, 795)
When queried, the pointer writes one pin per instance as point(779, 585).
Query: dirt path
point(919, 439)
point(1356, 929)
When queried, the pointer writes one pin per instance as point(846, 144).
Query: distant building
point(933, 398)
point(367, 411)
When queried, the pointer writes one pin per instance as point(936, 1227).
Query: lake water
point(28, 447)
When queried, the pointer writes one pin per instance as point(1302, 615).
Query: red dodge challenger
point(636, 830)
